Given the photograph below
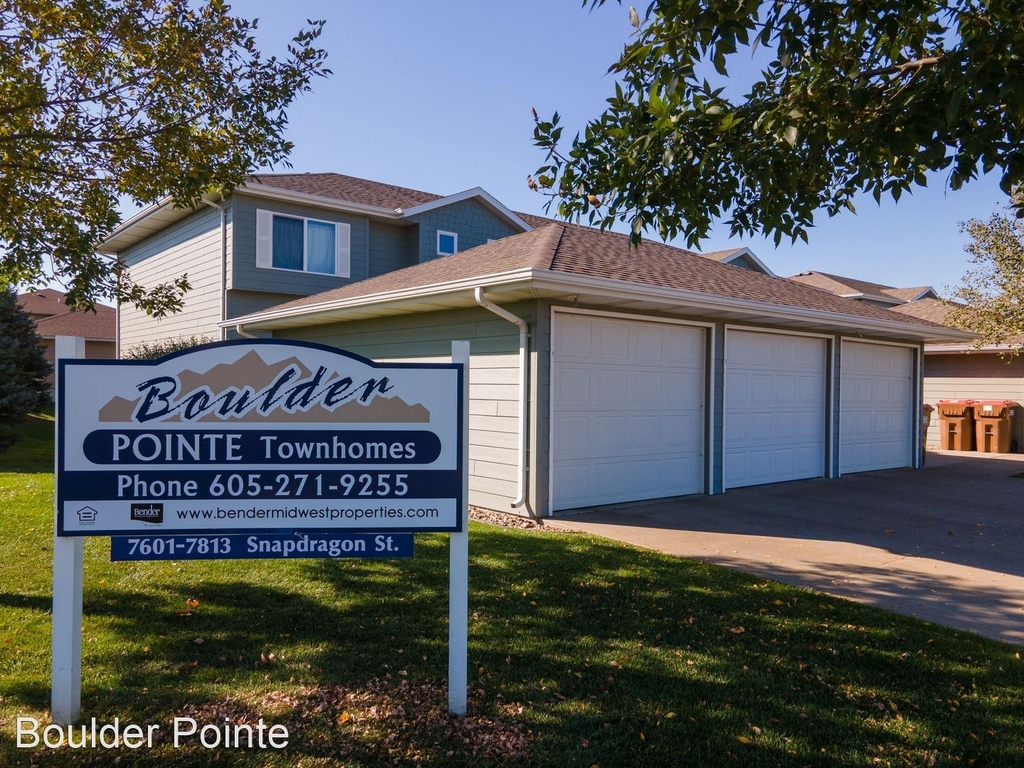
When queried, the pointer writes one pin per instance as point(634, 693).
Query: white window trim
point(264, 244)
point(453, 235)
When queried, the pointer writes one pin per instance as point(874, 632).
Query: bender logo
point(148, 513)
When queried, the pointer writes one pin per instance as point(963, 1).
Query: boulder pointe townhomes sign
point(248, 437)
point(226, 447)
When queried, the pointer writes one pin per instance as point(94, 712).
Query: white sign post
point(458, 567)
point(66, 639)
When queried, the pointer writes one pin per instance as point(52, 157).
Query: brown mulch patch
point(504, 519)
point(394, 720)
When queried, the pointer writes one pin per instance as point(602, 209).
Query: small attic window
point(447, 243)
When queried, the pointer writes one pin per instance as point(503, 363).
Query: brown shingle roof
point(932, 310)
point(840, 285)
point(98, 325)
point(579, 250)
point(43, 302)
point(348, 188)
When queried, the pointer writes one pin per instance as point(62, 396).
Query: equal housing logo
point(148, 513)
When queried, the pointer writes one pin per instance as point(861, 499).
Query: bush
point(151, 350)
point(24, 387)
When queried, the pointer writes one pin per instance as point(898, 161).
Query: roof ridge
point(554, 251)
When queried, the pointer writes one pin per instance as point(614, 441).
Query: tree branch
point(901, 69)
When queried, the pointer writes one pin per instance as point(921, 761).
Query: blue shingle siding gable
point(472, 221)
point(245, 275)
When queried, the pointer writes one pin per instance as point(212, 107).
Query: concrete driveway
point(945, 543)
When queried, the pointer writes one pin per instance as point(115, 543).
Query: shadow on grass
point(617, 656)
point(29, 602)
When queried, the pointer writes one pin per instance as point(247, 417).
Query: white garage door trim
point(706, 385)
point(819, 465)
point(911, 451)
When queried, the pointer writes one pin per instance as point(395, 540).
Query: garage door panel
point(774, 408)
point(612, 342)
point(876, 407)
point(572, 387)
point(635, 399)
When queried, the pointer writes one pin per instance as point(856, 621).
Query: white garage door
point(876, 412)
point(774, 408)
point(627, 410)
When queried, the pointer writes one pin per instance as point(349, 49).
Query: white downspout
point(223, 264)
point(524, 335)
point(242, 332)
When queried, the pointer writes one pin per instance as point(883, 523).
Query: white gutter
point(223, 263)
point(554, 280)
point(524, 335)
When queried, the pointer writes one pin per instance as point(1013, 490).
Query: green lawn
point(582, 652)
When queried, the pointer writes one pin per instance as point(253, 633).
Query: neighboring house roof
point(98, 326)
point(333, 191)
point(936, 311)
point(739, 257)
point(913, 294)
point(862, 289)
point(43, 302)
point(54, 318)
point(571, 260)
point(932, 310)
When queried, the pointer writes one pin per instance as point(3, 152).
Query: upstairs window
point(302, 245)
point(447, 243)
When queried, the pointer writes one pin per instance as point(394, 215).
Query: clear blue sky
point(437, 96)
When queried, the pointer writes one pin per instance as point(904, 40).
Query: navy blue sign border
point(61, 421)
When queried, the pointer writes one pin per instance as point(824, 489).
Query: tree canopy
point(990, 298)
point(129, 99)
point(850, 98)
point(23, 368)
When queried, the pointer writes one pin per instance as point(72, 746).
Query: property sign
point(258, 437)
point(250, 546)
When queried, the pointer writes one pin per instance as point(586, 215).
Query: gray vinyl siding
point(472, 221)
point(973, 376)
point(246, 276)
point(190, 247)
point(390, 248)
point(493, 380)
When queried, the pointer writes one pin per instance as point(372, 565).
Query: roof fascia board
point(553, 280)
point(255, 190)
point(133, 221)
point(892, 300)
point(476, 192)
point(991, 349)
point(713, 302)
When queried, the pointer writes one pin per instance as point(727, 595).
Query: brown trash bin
point(993, 425)
point(956, 430)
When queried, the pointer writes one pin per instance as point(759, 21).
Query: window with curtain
point(302, 245)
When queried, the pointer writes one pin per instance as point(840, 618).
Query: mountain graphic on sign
point(249, 377)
